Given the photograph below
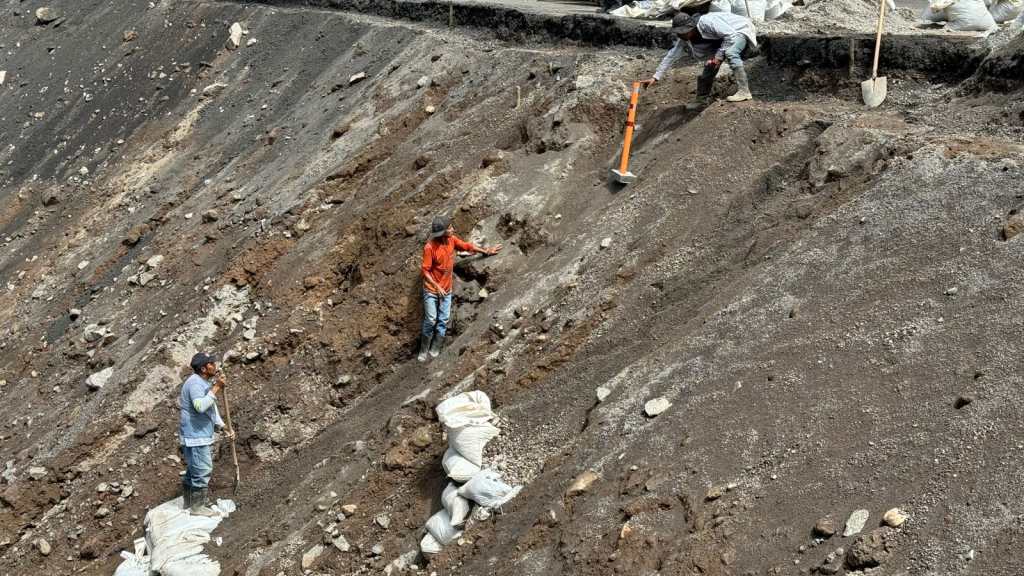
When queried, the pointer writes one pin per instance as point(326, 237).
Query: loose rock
point(894, 517)
point(602, 393)
point(311, 555)
point(349, 509)
point(868, 551)
point(855, 523)
point(356, 78)
point(234, 36)
point(656, 406)
point(963, 400)
point(43, 546)
point(606, 243)
point(99, 379)
point(582, 483)
point(46, 14)
point(37, 472)
point(824, 528)
point(383, 520)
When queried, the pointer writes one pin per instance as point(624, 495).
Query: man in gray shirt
point(199, 419)
point(716, 36)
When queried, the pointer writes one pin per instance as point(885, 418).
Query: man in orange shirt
point(438, 271)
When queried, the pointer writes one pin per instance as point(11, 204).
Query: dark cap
point(439, 226)
point(201, 359)
point(683, 23)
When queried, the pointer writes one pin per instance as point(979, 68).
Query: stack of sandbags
point(760, 10)
point(960, 15)
point(467, 420)
point(1003, 11)
point(173, 545)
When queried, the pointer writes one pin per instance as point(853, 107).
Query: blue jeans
point(198, 466)
point(436, 311)
point(734, 53)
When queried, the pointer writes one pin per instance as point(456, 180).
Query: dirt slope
point(811, 285)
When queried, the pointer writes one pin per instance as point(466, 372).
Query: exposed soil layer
point(827, 295)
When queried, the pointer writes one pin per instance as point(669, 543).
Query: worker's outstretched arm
point(464, 246)
point(669, 60)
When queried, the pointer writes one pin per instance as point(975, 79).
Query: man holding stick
point(199, 420)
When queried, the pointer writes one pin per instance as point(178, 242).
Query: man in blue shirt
point(199, 420)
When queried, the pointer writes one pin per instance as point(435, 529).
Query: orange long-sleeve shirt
point(439, 260)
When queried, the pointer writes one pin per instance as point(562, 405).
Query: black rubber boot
point(424, 345)
point(186, 496)
point(705, 83)
point(435, 346)
point(200, 506)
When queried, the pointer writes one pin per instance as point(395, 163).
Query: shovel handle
point(627, 140)
point(878, 38)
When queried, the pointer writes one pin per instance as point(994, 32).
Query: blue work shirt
point(199, 416)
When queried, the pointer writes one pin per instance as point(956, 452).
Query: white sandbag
point(456, 467)
point(470, 440)
point(457, 506)
point(174, 542)
point(776, 9)
point(487, 489)
point(960, 15)
point(757, 8)
point(440, 527)
point(429, 545)
point(653, 8)
point(1005, 10)
point(463, 409)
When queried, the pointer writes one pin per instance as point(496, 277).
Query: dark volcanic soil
point(828, 296)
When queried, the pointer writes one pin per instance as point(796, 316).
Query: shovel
point(623, 175)
point(873, 91)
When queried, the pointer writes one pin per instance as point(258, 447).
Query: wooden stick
point(231, 428)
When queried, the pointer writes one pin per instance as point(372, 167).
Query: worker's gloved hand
point(648, 83)
point(714, 62)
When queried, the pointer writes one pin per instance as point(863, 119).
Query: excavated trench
point(823, 293)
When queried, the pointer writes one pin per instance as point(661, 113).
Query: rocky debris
point(235, 36)
point(135, 234)
point(210, 216)
point(1014, 224)
point(894, 517)
point(211, 91)
point(349, 509)
point(43, 546)
point(868, 550)
point(383, 520)
point(154, 261)
point(377, 549)
point(602, 393)
point(102, 512)
point(963, 400)
point(97, 380)
point(311, 556)
point(581, 483)
point(430, 109)
point(606, 243)
point(833, 562)
point(855, 523)
point(340, 543)
point(94, 333)
point(824, 528)
point(47, 14)
point(423, 82)
point(37, 472)
point(356, 78)
point(656, 406)
point(129, 36)
point(952, 291)
point(714, 493)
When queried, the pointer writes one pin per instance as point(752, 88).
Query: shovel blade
point(873, 91)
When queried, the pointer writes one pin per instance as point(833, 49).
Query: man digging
point(199, 420)
point(438, 271)
point(715, 36)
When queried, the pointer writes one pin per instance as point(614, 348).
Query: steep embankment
point(812, 286)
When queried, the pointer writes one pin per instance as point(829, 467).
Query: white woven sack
point(429, 545)
point(470, 440)
point(457, 506)
point(463, 409)
point(440, 527)
point(456, 467)
point(487, 489)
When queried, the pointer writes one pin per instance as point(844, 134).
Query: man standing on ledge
point(438, 271)
point(715, 36)
point(199, 419)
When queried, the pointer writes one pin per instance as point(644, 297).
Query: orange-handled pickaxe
point(623, 175)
